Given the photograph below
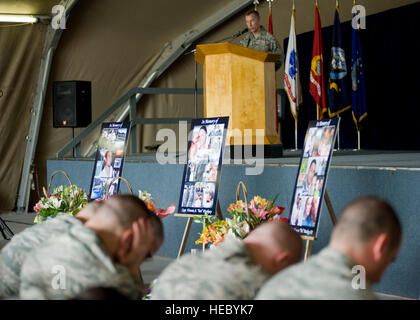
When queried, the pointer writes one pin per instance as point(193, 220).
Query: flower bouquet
point(66, 199)
point(246, 218)
point(152, 206)
point(243, 219)
point(213, 231)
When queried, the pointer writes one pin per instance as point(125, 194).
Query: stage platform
point(394, 176)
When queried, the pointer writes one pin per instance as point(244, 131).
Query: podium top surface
point(225, 47)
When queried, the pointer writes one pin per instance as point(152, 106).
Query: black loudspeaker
point(72, 104)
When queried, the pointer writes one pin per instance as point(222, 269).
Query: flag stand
point(358, 140)
point(308, 240)
point(296, 135)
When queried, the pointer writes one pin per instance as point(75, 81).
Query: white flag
point(291, 74)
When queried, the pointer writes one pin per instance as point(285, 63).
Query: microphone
point(240, 33)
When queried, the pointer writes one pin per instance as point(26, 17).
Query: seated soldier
point(14, 253)
point(367, 234)
point(234, 270)
point(104, 252)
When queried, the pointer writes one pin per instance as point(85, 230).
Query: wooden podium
point(240, 83)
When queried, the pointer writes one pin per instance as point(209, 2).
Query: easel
point(309, 239)
point(188, 227)
point(5, 230)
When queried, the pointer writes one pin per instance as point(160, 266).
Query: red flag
point(316, 85)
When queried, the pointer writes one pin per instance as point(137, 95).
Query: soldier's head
point(369, 232)
point(274, 246)
point(252, 19)
point(124, 223)
point(88, 211)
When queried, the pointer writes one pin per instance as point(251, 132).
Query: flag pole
point(317, 111)
point(296, 123)
point(338, 132)
point(358, 139)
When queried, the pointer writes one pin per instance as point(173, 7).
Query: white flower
point(241, 228)
point(230, 235)
point(146, 197)
point(55, 203)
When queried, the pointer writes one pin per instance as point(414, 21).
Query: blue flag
point(338, 95)
point(358, 92)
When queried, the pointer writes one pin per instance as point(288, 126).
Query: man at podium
point(259, 39)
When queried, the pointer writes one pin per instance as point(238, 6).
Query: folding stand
point(5, 230)
point(308, 246)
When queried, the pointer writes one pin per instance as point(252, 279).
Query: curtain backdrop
point(20, 57)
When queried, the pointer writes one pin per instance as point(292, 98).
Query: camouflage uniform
point(265, 41)
point(325, 276)
point(83, 257)
point(15, 252)
point(227, 272)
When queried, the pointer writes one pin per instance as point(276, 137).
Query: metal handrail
point(75, 142)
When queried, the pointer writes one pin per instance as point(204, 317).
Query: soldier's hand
point(136, 245)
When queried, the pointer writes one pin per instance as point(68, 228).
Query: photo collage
point(319, 142)
point(109, 160)
point(202, 169)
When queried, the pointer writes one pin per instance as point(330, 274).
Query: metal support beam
point(133, 130)
point(51, 41)
point(126, 97)
point(175, 48)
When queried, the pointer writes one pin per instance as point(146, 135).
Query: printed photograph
point(109, 159)
point(311, 176)
point(201, 173)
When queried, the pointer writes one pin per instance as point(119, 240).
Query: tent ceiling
point(36, 7)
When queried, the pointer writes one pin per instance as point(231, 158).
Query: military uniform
point(67, 265)
point(265, 41)
point(15, 252)
point(325, 276)
point(227, 272)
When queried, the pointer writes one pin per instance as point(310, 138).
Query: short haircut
point(127, 209)
point(366, 217)
point(253, 12)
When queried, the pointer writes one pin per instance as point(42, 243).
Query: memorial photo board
point(204, 162)
point(109, 159)
point(312, 176)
